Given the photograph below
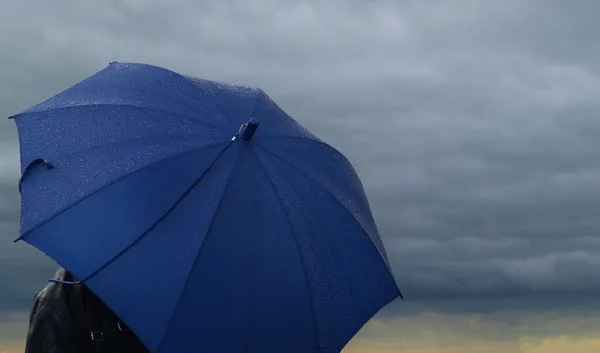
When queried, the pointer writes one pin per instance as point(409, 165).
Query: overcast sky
point(473, 124)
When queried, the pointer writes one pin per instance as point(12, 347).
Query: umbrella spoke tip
point(71, 283)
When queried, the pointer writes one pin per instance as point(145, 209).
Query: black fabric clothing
point(71, 319)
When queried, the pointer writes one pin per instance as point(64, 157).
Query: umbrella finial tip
point(249, 129)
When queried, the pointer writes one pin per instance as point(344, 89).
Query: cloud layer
point(473, 124)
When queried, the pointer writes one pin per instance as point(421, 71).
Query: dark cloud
point(473, 124)
point(23, 271)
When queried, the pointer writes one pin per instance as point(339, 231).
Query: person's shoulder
point(63, 300)
point(57, 321)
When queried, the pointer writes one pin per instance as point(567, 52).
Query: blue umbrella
point(203, 215)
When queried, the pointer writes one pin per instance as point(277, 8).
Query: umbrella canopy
point(202, 214)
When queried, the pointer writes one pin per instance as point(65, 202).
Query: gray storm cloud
point(473, 124)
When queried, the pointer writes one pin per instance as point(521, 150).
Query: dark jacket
point(71, 319)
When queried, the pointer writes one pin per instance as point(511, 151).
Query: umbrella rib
point(198, 90)
point(320, 186)
point(315, 140)
point(190, 80)
point(197, 257)
point(177, 155)
point(294, 235)
point(353, 297)
point(163, 138)
point(91, 105)
point(299, 138)
point(175, 204)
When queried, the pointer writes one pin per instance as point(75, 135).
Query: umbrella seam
point(335, 256)
point(197, 257)
point(167, 213)
point(198, 90)
point(322, 187)
point(33, 113)
point(314, 139)
point(174, 156)
point(189, 80)
point(336, 198)
point(167, 138)
point(300, 253)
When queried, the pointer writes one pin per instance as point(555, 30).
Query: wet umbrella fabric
point(201, 213)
